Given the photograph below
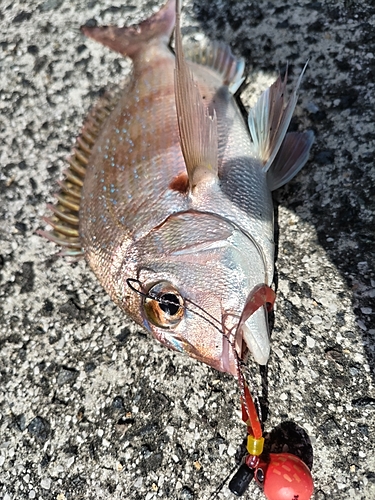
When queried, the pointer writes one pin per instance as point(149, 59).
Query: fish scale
point(135, 164)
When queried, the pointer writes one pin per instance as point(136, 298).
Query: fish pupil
point(169, 303)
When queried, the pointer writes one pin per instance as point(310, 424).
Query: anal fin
point(218, 57)
point(293, 154)
point(283, 155)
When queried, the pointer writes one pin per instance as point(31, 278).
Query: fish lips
point(252, 332)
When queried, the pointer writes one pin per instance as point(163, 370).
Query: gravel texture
point(90, 406)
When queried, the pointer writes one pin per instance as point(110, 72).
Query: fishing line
point(215, 494)
point(238, 361)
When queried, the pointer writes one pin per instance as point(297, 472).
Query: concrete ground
point(90, 406)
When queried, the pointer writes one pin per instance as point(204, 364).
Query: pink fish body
point(168, 195)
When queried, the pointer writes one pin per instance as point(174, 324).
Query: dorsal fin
point(65, 218)
point(198, 130)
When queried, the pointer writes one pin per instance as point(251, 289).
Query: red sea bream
point(168, 192)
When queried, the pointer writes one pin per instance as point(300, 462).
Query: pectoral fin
point(197, 128)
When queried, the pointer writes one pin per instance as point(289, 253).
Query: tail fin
point(283, 155)
point(132, 39)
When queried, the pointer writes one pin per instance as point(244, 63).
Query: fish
point(168, 192)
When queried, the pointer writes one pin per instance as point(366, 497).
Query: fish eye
point(163, 305)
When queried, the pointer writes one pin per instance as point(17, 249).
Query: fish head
point(193, 276)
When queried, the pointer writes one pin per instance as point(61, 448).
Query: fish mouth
point(252, 330)
point(234, 348)
point(251, 338)
point(255, 334)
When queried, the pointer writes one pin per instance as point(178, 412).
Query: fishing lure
point(283, 476)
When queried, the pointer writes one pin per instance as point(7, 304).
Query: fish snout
point(253, 324)
point(255, 333)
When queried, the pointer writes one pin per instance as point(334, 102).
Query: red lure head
point(284, 477)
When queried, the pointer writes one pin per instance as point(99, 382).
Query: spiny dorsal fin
point(65, 218)
point(198, 130)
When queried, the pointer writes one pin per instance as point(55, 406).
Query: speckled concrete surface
point(90, 407)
